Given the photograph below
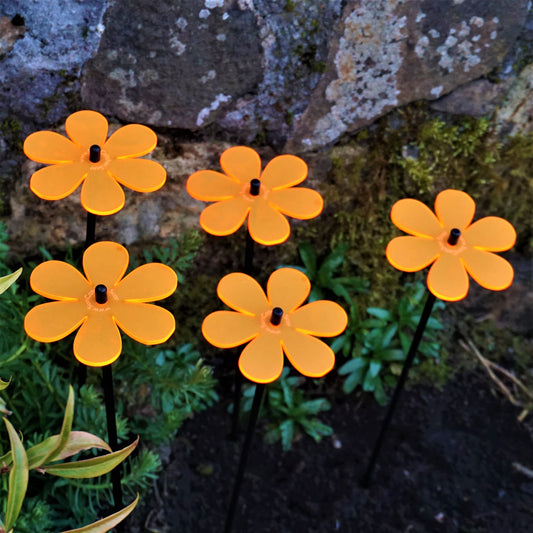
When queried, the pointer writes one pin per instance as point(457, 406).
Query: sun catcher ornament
point(265, 198)
point(91, 159)
point(101, 302)
point(274, 324)
point(452, 244)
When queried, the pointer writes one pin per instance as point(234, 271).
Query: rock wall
point(287, 75)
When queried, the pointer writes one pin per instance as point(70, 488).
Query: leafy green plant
point(176, 253)
point(289, 412)
point(164, 387)
point(324, 276)
point(47, 457)
point(36, 402)
point(378, 344)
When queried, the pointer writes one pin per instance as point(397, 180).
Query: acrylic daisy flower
point(265, 198)
point(102, 164)
point(452, 244)
point(274, 324)
point(101, 302)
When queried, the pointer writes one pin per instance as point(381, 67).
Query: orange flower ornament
point(275, 323)
point(243, 191)
point(100, 163)
point(452, 244)
point(101, 302)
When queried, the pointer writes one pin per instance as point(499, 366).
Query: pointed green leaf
point(382, 314)
point(308, 256)
point(379, 392)
point(4, 384)
point(78, 441)
point(286, 429)
point(7, 281)
point(18, 477)
point(65, 428)
point(90, 467)
point(104, 525)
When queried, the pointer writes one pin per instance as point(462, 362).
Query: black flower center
point(100, 294)
point(454, 236)
point(94, 153)
point(255, 186)
point(277, 313)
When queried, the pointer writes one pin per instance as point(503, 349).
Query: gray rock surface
point(173, 64)
point(38, 74)
point(387, 53)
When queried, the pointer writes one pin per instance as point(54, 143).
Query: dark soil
point(449, 465)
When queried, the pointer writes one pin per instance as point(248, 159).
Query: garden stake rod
point(367, 477)
point(255, 187)
point(258, 396)
point(90, 238)
point(109, 398)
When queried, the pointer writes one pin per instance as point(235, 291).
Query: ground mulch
point(451, 463)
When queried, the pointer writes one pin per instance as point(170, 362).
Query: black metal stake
point(365, 480)
point(90, 238)
point(90, 234)
point(258, 396)
point(237, 380)
point(109, 398)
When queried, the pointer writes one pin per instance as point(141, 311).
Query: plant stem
point(109, 398)
point(367, 477)
point(258, 396)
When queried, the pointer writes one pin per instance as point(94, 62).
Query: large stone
point(173, 64)
point(477, 98)
point(387, 53)
point(39, 71)
point(515, 116)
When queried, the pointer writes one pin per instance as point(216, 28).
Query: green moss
point(414, 154)
point(11, 130)
point(290, 6)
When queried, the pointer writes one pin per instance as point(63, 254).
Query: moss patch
point(414, 153)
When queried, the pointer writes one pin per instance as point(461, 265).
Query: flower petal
point(132, 140)
point(493, 234)
point(284, 171)
point(454, 209)
point(86, 128)
point(141, 175)
point(489, 270)
point(309, 355)
point(297, 203)
point(226, 217)
point(147, 283)
point(105, 263)
point(227, 329)
point(146, 323)
point(241, 163)
point(58, 181)
point(242, 293)
point(261, 360)
point(98, 341)
point(51, 148)
point(287, 288)
point(412, 253)
point(266, 224)
point(59, 281)
point(211, 186)
point(52, 321)
point(415, 218)
point(321, 318)
point(101, 194)
point(447, 278)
